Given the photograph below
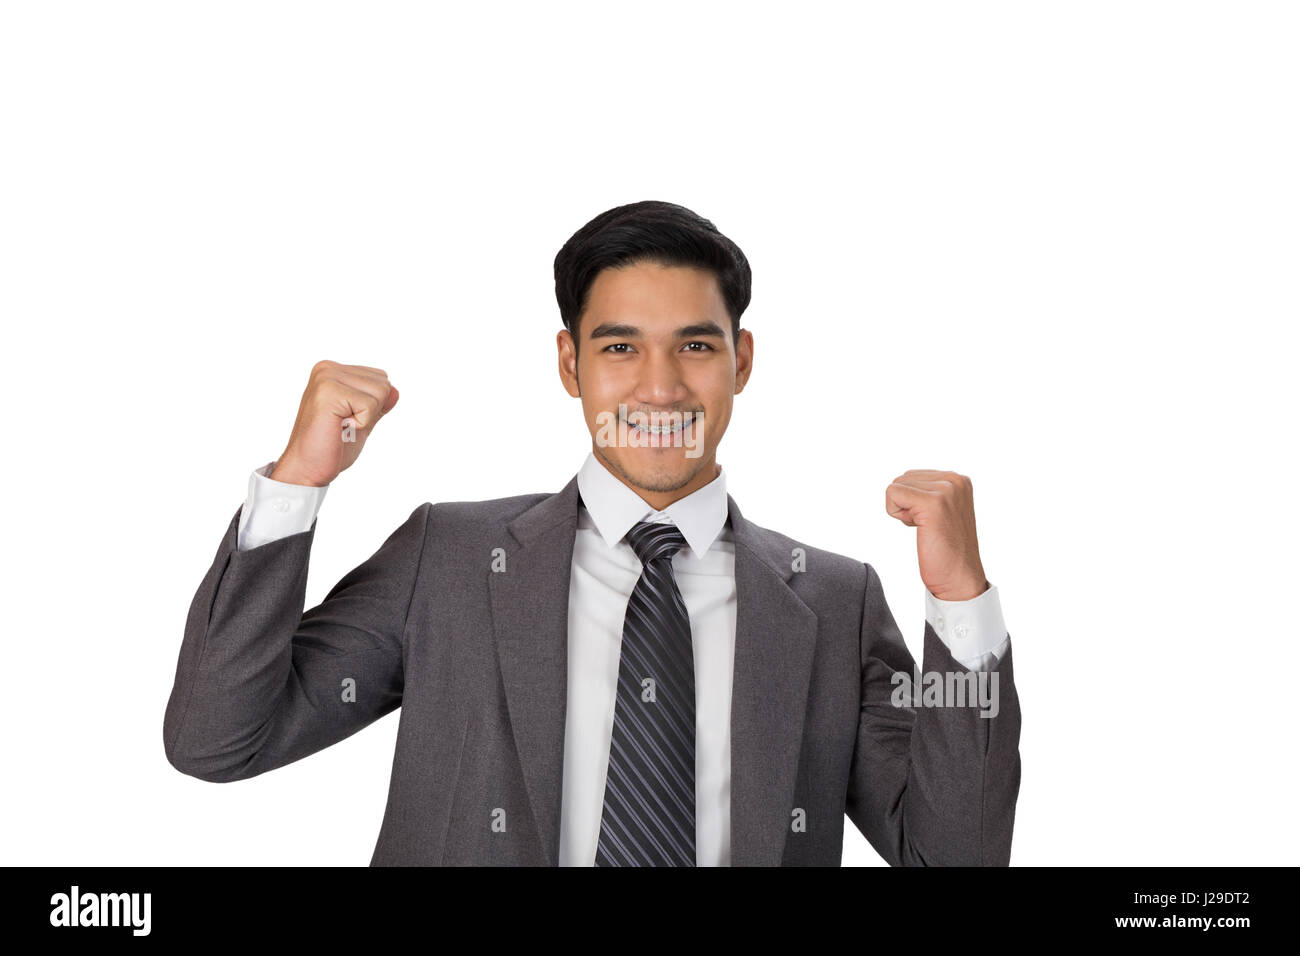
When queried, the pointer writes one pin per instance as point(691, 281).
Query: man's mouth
point(677, 429)
point(657, 429)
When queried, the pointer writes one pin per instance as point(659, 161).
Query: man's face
point(656, 340)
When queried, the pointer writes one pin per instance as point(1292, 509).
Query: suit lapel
point(775, 634)
point(530, 617)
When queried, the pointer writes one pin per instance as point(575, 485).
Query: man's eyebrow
point(608, 330)
point(709, 328)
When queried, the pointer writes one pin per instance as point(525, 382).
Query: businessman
point(626, 672)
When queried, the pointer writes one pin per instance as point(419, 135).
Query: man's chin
point(670, 474)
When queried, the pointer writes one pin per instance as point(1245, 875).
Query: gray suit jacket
point(476, 660)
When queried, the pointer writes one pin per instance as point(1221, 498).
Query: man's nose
point(660, 382)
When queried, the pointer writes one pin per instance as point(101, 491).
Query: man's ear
point(744, 359)
point(567, 355)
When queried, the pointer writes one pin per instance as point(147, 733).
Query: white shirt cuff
point(973, 631)
point(276, 509)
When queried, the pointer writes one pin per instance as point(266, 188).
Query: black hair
point(648, 231)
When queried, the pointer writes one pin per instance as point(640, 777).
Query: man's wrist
point(964, 592)
point(292, 476)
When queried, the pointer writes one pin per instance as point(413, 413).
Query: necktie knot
point(651, 540)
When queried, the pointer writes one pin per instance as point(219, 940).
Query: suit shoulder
point(483, 515)
point(837, 566)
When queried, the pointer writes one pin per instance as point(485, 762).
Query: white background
point(1051, 246)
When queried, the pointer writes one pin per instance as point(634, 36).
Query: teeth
point(660, 429)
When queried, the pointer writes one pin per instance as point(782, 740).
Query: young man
point(627, 671)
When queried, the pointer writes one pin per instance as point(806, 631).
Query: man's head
point(651, 296)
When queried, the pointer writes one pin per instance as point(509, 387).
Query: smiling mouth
point(686, 420)
point(657, 429)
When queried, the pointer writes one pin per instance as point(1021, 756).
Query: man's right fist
point(340, 406)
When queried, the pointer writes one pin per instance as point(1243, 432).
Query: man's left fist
point(941, 506)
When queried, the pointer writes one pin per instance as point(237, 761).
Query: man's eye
point(625, 345)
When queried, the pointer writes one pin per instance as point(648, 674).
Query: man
point(627, 671)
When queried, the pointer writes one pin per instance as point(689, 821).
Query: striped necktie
point(649, 813)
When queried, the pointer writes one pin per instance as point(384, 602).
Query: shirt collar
point(615, 508)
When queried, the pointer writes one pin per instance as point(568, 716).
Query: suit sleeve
point(932, 785)
point(260, 684)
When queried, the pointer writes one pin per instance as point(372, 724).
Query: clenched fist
point(340, 406)
point(941, 506)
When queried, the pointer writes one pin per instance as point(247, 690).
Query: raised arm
point(936, 770)
point(259, 683)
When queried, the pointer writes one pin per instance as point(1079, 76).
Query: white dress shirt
point(605, 569)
